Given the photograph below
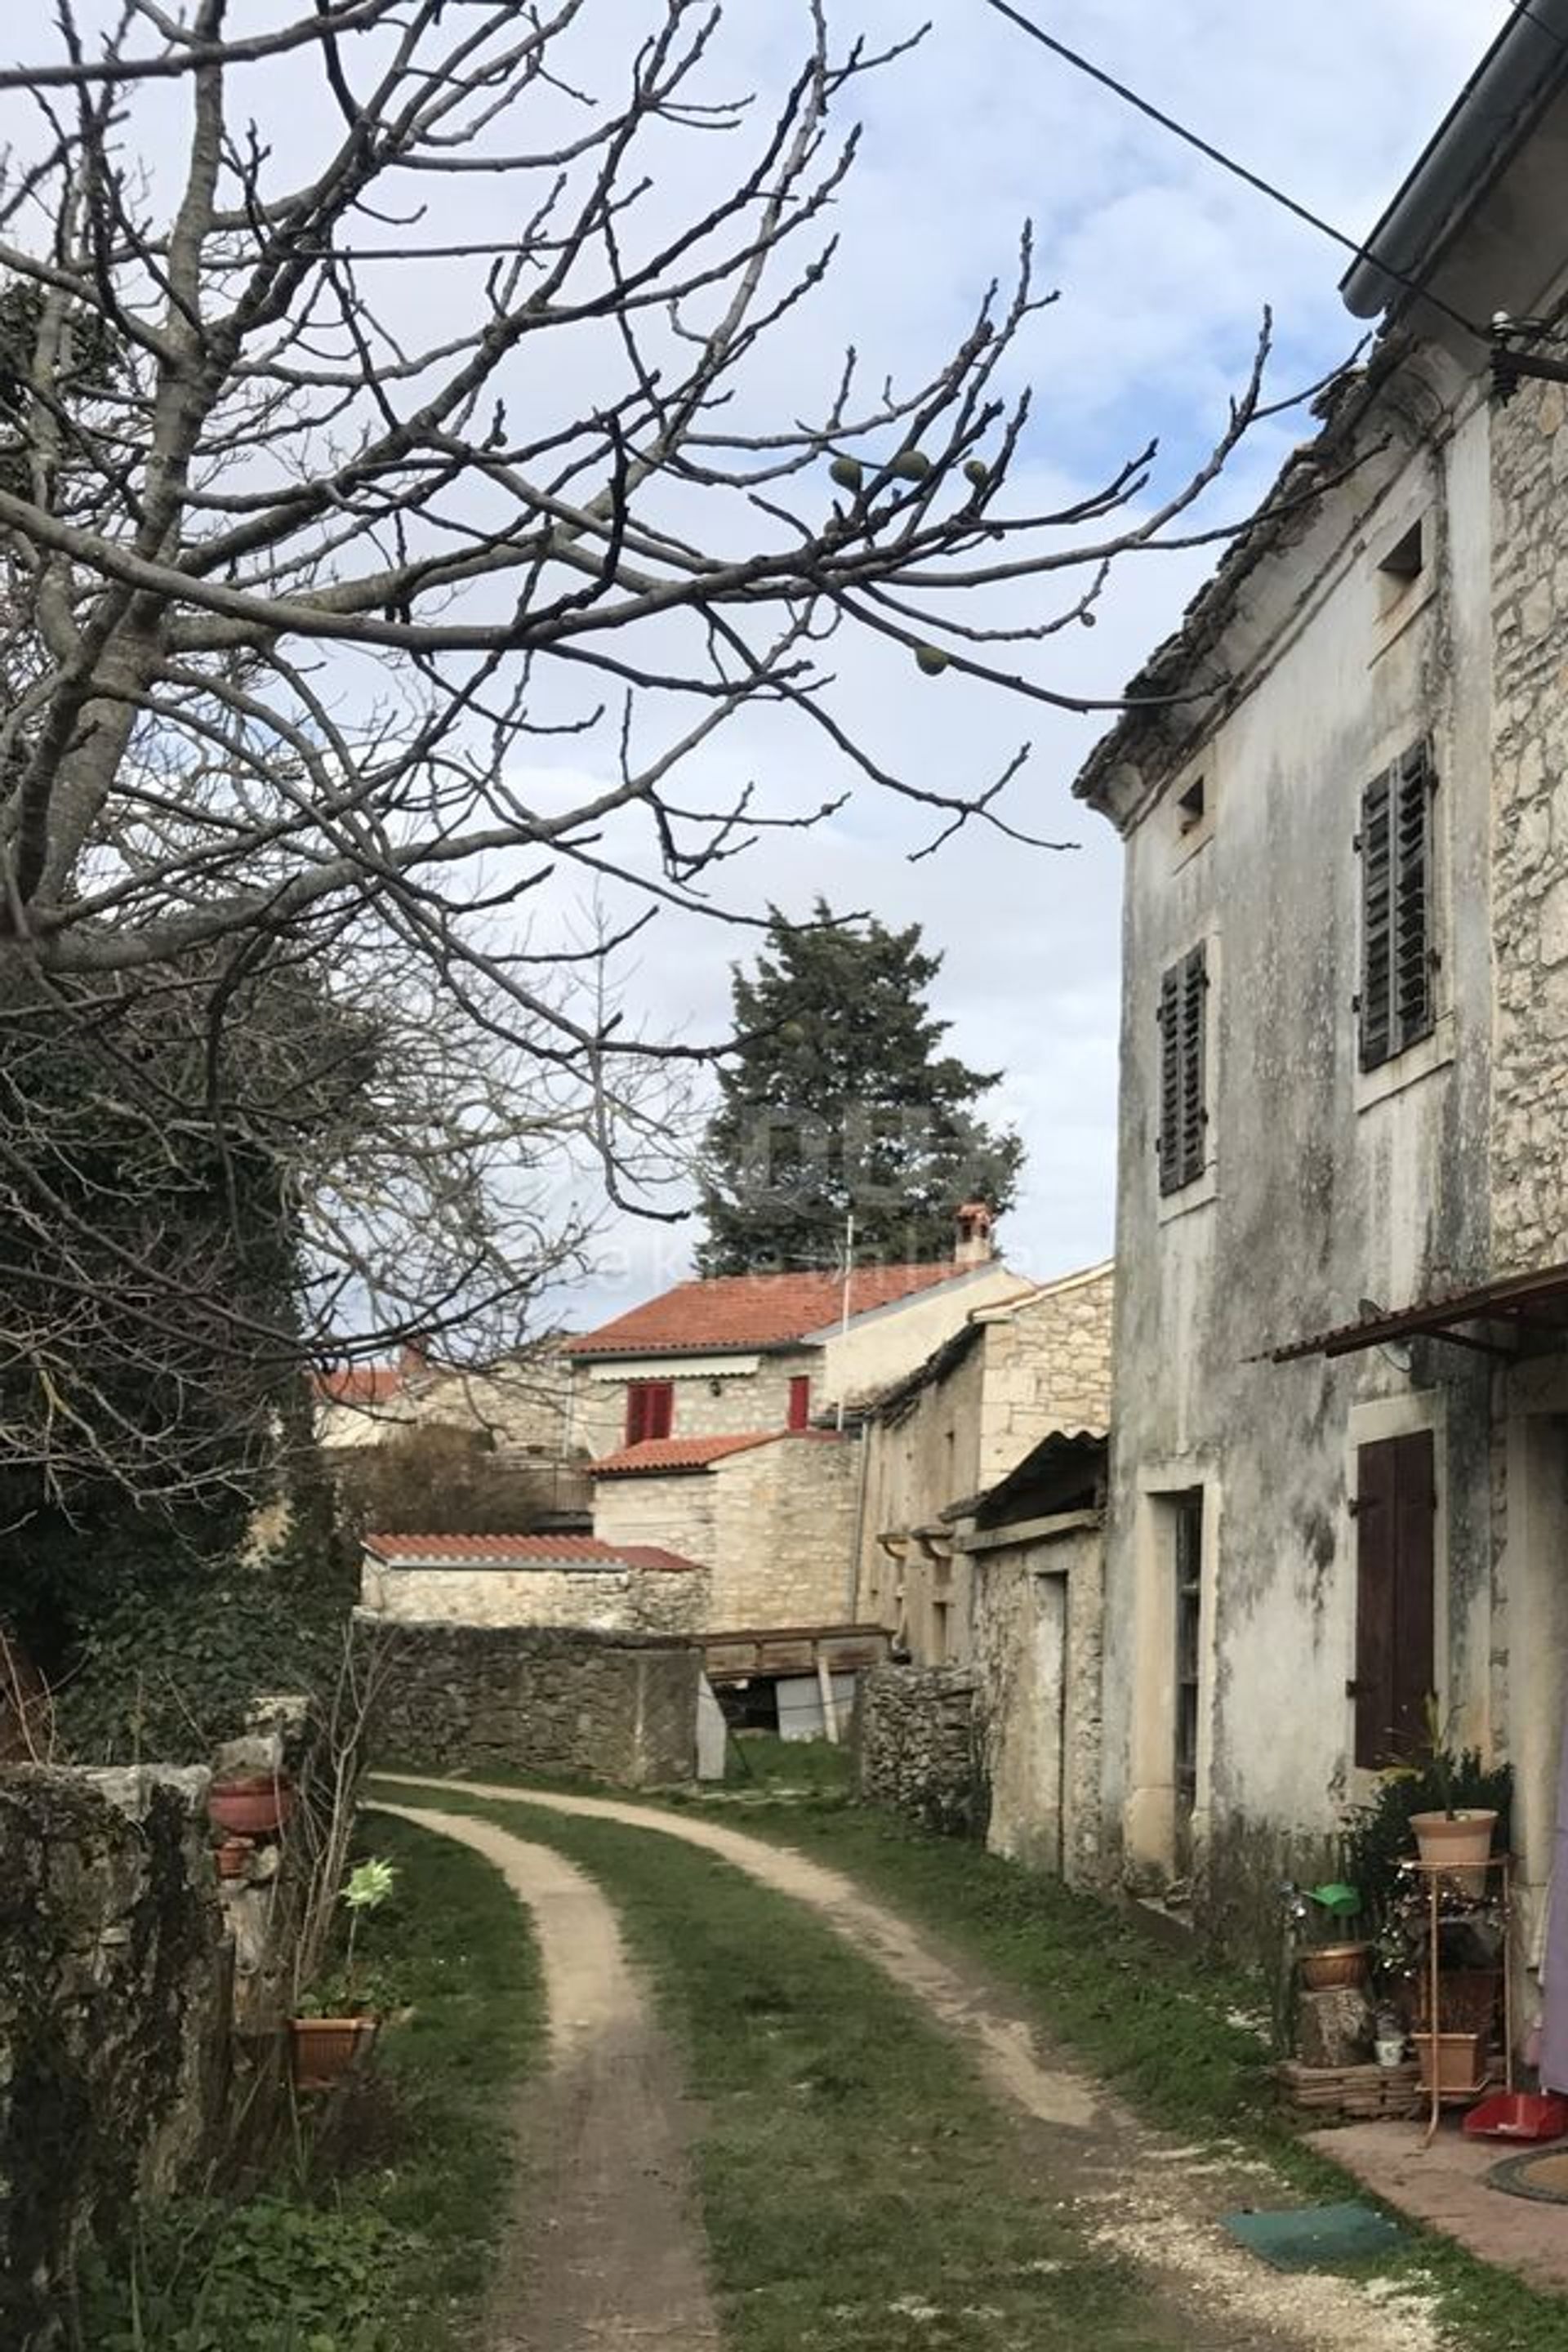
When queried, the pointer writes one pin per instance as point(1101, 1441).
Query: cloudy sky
point(1164, 267)
point(1164, 264)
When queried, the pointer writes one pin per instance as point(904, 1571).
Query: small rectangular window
point(1183, 1114)
point(651, 1410)
point(1396, 1003)
point(800, 1400)
point(1190, 806)
point(1403, 564)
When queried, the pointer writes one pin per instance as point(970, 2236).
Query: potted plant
point(334, 2024)
point(251, 1805)
point(1327, 1960)
point(1454, 1835)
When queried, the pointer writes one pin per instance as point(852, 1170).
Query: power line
point(1251, 179)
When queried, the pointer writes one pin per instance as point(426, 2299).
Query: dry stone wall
point(571, 1705)
point(917, 1746)
point(114, 2017)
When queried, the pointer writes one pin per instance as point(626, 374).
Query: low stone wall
point(916, 1746)
point(568, 1703)
point(114, 2017)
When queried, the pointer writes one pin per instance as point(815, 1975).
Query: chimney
point(972, 1234)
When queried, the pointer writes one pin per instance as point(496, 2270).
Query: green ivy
point(268, 2276)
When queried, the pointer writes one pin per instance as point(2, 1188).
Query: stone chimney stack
point(972, 1234)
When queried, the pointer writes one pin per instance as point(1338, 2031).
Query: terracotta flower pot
point(1460, 2061)
point(253, 1807)
point(1334, 1964)
point(1460, 1842)
point(325, 2048)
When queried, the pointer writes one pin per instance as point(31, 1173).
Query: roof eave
point(1487, 123)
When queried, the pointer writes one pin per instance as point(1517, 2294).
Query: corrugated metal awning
point(1534, 1302)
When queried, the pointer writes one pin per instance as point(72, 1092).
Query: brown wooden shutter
point(1396, 844)
point(1195, 1117)
point(1395, 1661)
point(1170, 1140)
point(1181, 1145)
point(1377, 924)
point(1413, 897)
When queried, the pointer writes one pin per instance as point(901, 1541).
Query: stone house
point(1341, 1394)
point(732, 1397)
point(979, 1550)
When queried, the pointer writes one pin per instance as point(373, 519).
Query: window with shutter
point(1184, 1111)
point(1396, 1505)
point(651, 1410)
point(1397, 946)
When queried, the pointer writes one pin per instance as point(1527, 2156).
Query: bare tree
point(398, 515)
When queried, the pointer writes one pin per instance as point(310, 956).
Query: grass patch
point(860, 2190)
point(1158, 2024)
point(377, 2231)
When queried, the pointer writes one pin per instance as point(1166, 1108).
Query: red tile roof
point(665, 1454)
point(755, 1311)
point(538, 1551)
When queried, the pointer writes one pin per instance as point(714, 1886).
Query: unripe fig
point(911, 464)
point(978, 472)
point(931, 659)
point(847, 472)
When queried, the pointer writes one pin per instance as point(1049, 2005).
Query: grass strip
point(375, 2232)
point(1160, 2025)
point(860, 2190)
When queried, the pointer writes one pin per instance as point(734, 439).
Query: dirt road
point(1130, 2192)
point(605, 2254)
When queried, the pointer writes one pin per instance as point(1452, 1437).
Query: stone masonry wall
point(674, 1513)
point(1038, 1625)
point(917, 1750)
point(114, 2017)
point(1529, 846)
point(595, 1600)
point(614, 1707)
point(784, 1528)
point(714, 1402)
point(1047, 1367)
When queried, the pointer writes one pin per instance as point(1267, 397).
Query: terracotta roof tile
point(499, 1551)
point(665, 1454)
point(755, 1311)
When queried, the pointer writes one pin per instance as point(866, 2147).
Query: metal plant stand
point(1460, 1905)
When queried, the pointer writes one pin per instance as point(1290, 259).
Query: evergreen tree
point(838, 1097)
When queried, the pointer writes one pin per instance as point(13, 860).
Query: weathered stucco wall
point(916, 1746)
point(598, 1599)
point(1322, 1187)
point(114, 2017)
point(620, 1708)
